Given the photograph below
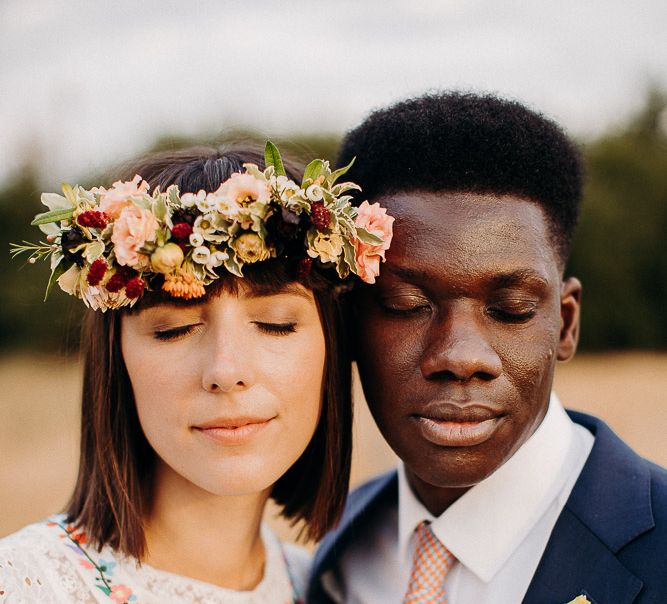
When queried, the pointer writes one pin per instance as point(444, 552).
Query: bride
point(216, 376)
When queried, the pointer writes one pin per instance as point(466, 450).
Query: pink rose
point(244, 189)
point(120, 593)
point(133, 228)
point(120, 195)
point(375, 220)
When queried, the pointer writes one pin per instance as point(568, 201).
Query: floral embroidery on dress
point(75, 539)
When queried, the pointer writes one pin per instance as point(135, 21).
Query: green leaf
point(57, 270)
point(272, 158)
point(93, 251)
point(53, 216)
point(350, 256)
point(312, 171)
point(336, 174)
point(368, 237)
point(104, 588)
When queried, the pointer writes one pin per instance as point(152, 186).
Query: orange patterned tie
point(430, 565)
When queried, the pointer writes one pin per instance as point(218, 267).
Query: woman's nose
point(226, 366)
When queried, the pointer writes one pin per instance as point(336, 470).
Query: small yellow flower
point(182, 284)
point(326, 247)
point(250, 248)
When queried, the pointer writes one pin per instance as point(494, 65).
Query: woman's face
point(229, 391)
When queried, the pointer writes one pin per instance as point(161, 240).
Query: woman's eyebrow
point(259, 291)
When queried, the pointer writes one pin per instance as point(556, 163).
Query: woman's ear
point(570, 307)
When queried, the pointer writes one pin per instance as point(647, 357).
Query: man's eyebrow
point(407, 273)
point(519, 277)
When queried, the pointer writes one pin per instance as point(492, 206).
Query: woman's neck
point(207, 537)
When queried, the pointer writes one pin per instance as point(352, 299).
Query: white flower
point(216, 259)
point(201, 254)
point(206, 226)
point(189, 200)
point(314, 193)
point(196, 239)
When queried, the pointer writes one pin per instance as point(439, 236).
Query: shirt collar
point(518, 492)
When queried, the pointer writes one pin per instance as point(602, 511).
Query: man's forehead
point(505, 237)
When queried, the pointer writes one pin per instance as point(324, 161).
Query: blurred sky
point(85, 83)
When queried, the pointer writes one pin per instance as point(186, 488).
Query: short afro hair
point(468, 142)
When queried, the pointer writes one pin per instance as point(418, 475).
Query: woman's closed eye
point(277, 329)
point(176, 333)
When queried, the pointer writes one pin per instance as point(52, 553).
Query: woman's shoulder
point(26, 562)
point(33, 539)
point(37, 566)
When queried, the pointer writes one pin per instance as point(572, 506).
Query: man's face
point(459, 337)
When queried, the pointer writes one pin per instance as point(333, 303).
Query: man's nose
point(458, 347)
point(225, 366)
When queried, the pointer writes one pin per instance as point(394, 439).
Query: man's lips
point(454, 425)
point(232, 431)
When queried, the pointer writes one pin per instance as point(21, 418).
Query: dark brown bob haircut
point(113, 493)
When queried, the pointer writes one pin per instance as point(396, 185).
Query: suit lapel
point(576, 562)
point(360, 506)
point(609, 506)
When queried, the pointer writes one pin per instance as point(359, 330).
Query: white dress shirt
point(497, 530)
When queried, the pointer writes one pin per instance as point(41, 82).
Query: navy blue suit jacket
point(609, 542)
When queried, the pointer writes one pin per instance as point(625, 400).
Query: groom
point(501, 496)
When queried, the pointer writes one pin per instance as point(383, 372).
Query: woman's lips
point(447, 433)
point(233, 434)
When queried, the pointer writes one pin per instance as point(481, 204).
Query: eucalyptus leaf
point(93, 251)
point(232, 265)
point(336, 174)
point(272, 158)
point(312, 171)
point(368, 237)
point(349, 255)
point(53, 216)
point(56, 271)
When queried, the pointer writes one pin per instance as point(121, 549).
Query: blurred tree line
point(618, 251)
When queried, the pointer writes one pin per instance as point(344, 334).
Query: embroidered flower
point(134, 227)
point(376, 221)
point(119, 196)
point(120, 593)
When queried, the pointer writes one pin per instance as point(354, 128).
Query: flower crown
point(109, 246)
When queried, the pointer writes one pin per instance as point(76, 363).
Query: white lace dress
point(49, 562)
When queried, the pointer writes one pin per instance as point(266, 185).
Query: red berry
point(119, 279)
point(303, 270)
point(93, 219)
point(181, 231)
point(134, 287)
point(320, 216)
point(96, 271)
point(115, 283)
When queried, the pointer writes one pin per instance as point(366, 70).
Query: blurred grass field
point(39, 423)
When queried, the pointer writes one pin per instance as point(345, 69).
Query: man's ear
point(570, 307)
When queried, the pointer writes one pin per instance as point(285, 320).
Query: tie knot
point(430, 564)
